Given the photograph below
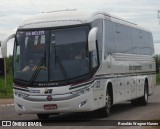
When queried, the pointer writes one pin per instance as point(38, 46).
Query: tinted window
point(68, 55)
point(142, 42)
point(122, 38)
point(135, 41)
point(109, 38)
point(149, 48)
point(30, 54)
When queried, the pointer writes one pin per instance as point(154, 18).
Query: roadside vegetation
point(7, 92)
point(158, 79)
point(157, 58)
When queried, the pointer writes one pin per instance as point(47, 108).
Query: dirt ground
point(6, 101)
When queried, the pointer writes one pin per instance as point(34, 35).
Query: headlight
point(21, 95)
point(81, 91)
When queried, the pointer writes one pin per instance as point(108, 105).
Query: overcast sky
point(142, 12)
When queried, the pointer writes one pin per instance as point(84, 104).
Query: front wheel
point(106, 110)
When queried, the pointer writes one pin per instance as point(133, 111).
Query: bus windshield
point(51, 55)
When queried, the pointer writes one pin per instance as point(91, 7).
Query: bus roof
point(70, 17)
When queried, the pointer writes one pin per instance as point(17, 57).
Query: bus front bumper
point(82, 103)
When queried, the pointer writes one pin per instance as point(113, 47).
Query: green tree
point(9, 64)
point(9, 88)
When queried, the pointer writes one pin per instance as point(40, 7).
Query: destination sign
point(35, 33)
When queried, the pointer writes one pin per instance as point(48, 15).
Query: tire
point(106, 110)
point(144, 100)
point(43, 116)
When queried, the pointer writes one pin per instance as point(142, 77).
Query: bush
point(9, 87)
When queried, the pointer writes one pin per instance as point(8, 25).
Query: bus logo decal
point(48, 91)
point(49, 98)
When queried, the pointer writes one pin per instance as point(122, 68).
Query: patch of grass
point(4, 96)
point(9, 87)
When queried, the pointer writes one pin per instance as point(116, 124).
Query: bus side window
point(94, 59)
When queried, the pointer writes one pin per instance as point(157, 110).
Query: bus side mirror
point(4, 45)
point(92, 39)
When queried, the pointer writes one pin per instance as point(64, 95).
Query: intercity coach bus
point(79, 61)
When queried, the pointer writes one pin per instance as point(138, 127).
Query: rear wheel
point(106, 110)
point(43, 116)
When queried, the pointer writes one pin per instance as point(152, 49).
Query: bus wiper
point(37, 70)
point(62, 68)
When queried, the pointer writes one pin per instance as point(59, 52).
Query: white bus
point(79, 61)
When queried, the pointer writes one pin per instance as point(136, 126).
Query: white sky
point(142, 12)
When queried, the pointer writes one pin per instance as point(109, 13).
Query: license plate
point(50, 106)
